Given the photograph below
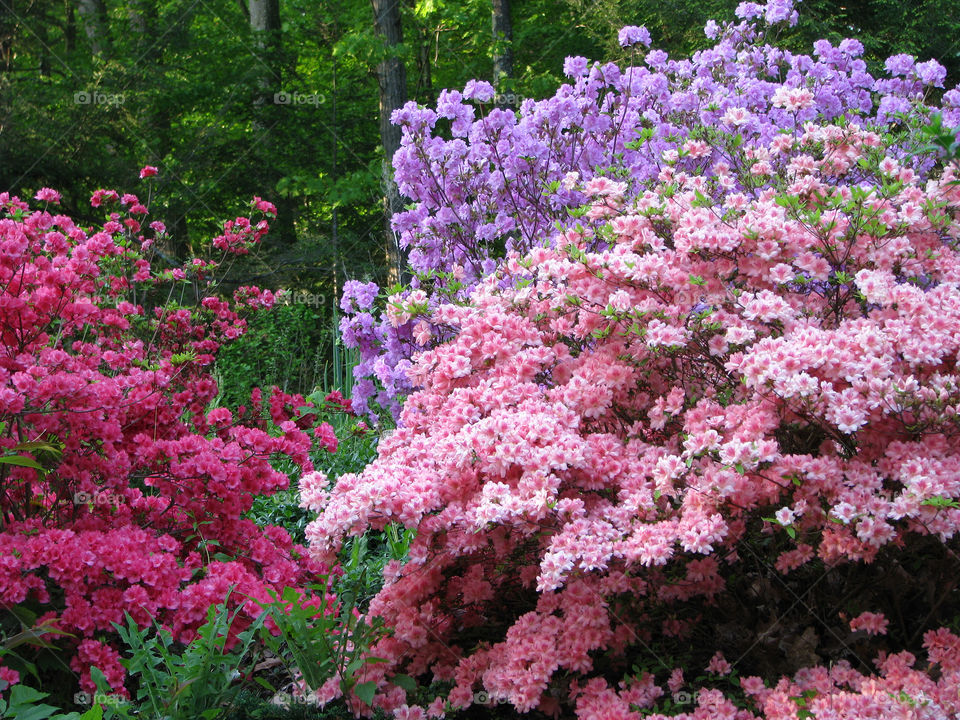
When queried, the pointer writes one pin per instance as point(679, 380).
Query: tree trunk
point(141, 14)
point(41, 30)
point(70, 29)
point(93, 15)
point(269, 103)
point(265, 24)
point(392, 79)
point(502, 42)
point(7, 28)
point(423, 87)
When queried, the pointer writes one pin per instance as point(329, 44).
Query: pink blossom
point(48, 195)
point(872, 623)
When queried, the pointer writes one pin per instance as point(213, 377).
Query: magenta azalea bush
point(483, 182)
point(694, 451)
point(121, 490)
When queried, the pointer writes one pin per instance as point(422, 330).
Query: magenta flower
point(48, 195)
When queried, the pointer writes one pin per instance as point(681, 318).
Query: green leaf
point(23, 695)
point(94, 713)
point(366, 691)
point(33, 712)
point(182, 358)
point(352, 668)
point(21, 461)
point(404, 681)
point(940, 501)
point(264, 684)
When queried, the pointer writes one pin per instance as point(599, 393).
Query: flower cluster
point(484, 182)
point(129, 492)
point(738, 363)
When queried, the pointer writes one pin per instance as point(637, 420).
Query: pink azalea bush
point(131, 490)
point(483, 181)
point(673, 448)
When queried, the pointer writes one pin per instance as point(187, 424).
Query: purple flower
point(478, 90)
point(575, 66)
point(899, 64)
point(474, 184)
point(656, 59)
point(851, 47)
point(634, 34)
point(363, 294)
point(931, 73)
point(780, 11)
point(749, 10)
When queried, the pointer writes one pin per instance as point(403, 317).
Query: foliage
point(728, 374)
point(199, 680)
point(314, 635)
point(356, 447)
point(134, 495)
point(363, 558)
point(282, 348)
point(326, 642)
point(25, 703)
point(286, 706)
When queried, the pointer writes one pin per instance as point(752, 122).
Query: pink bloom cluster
point(618, 411)
point(133, 496)
point(240, 235)
point(483, 182)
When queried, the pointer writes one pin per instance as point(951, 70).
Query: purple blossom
point(575, 66)
point(851, 47)
point(931, 73)
point(749, 10)
point(780, 11)
point(656, 59)
point(478, 90)
point(633, 35)
point(899, 64)
point(358, 295)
